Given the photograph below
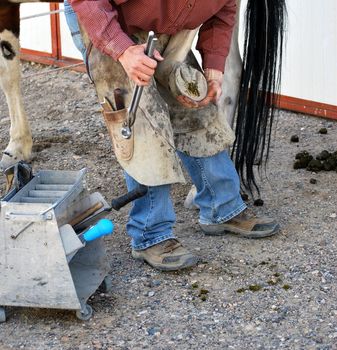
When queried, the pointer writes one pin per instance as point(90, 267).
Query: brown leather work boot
point(245, 225)
point(169, 255)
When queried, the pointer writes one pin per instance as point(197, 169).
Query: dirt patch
point(275, 293)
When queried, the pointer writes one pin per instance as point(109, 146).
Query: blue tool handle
point(119, 202)
point(102, 228)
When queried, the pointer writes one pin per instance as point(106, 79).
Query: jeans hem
point(152, 242)
point(221, 220)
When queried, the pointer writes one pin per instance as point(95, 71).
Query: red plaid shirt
point(109, 24)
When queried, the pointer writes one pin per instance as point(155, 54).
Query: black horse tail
point(260, 81)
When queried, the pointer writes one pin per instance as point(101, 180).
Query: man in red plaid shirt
point(172, 127)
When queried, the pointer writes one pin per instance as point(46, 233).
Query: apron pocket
point(114, 121)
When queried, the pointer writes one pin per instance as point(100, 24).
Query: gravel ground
point(274, 293)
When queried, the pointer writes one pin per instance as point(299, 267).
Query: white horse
point(242, 81)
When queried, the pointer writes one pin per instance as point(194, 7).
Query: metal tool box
point(41, 262)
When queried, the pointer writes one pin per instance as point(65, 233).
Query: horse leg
point(232, 76)
point(20, 143)
point(230, 92)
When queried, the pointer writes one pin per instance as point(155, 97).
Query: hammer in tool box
point(91, 214)
point(73, 242)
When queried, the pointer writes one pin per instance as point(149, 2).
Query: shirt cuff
point(214, 61)
point(118, 45)
point(213, 74)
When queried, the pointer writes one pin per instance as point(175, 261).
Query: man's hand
point(139, 67)
point(214, 90)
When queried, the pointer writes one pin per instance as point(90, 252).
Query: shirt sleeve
point(215, 37)
point(99, 18)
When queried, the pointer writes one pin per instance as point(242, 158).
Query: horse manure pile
point(324, 161)
point(295, 138)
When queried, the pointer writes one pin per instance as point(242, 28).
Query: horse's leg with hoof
point(232, 76)
point(20, 144)
point(229, 97)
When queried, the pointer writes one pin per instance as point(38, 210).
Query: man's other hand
point(214, 90)
point(139, 67)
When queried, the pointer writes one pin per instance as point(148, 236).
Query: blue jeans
point(218, 197)
point(74, 28)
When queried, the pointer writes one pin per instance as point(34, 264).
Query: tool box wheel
point(106, 285)
point(85, 313)
point(2, 315)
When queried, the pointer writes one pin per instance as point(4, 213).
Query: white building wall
point(35, 32)
point(310, 62)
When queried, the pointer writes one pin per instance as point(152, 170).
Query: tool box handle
point(138, 192)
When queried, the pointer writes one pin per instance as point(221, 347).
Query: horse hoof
point(189, 201)
point(7, 161)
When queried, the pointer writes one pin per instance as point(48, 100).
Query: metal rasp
point(137, 93)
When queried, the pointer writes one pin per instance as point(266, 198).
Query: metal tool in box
point(42, 261)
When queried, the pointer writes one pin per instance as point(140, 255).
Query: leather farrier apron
point(162, 124)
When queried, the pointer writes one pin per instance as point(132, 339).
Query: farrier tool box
point(42, 263)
